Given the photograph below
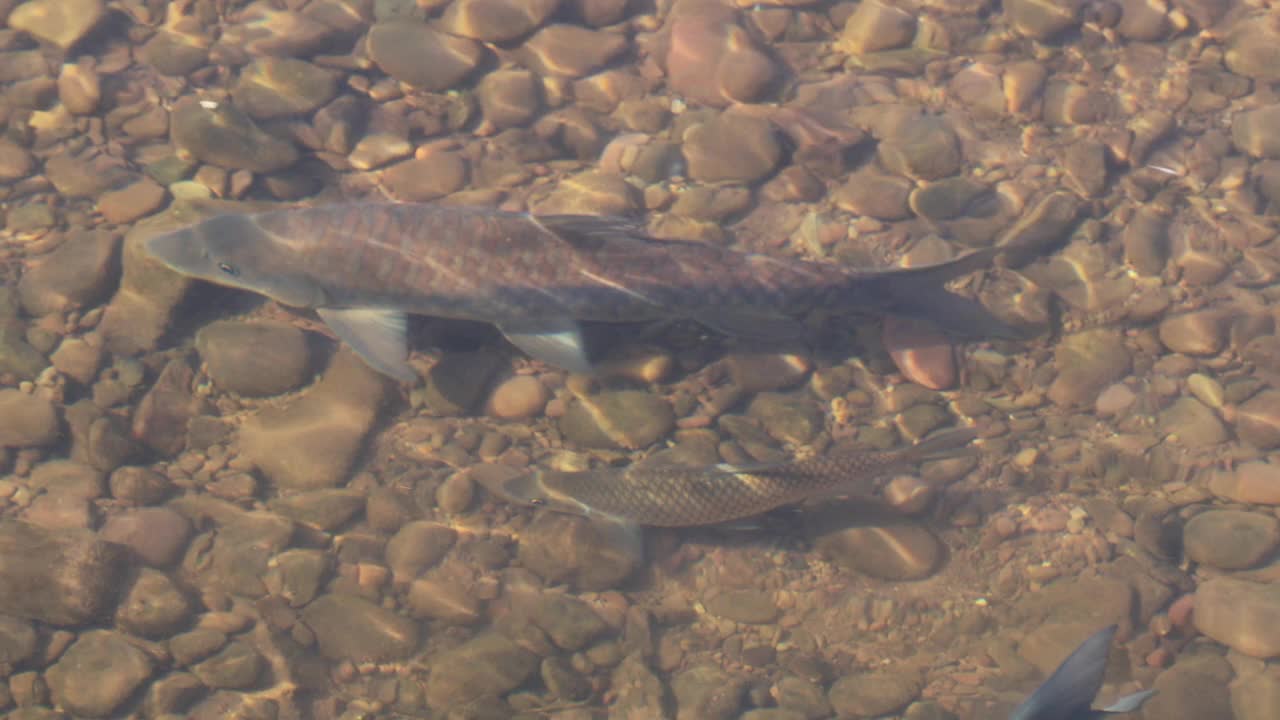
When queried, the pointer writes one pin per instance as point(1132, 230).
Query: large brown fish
point(686, 496)
point(363, 266)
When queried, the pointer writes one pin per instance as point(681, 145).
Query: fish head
point(234, 251)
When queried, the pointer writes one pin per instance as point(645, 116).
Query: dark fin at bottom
point(1069, 691)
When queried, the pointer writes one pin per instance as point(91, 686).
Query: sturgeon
point(363, 266)
point(1069, 692)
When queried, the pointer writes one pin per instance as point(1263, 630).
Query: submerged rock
point(255, 359)
point(98, 673)
point(64, 577)
point(312, 441)
point(1243, 615)
point(484, 666)
point(568, 549)
point(352, 628)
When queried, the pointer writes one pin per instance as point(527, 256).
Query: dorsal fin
point(591, 232)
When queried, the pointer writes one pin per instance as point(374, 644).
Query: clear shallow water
point(243, 519)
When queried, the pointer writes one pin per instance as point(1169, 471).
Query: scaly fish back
point(677, 496)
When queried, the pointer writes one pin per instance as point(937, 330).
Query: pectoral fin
point(557, 341)
point(377, 336)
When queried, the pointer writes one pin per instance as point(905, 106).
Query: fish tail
point(920, 292)
point(946, 444)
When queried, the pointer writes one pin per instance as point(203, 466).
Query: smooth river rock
point(312, 441)
point(1243, 615)
point(63, 577)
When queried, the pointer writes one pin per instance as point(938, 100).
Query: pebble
point(154, 607)
point(1195, 687)
point(418, 546)
point(919, 146)
point(590, 193)
point(1253, 48)
point(98, 673)
point(254, 359)
point(1255, 482)
point(1198, 333)
point(565, 549)
point(296, 575)
point(1145, 239)
point(157, 535)
point(236, 666)
point(15, 162)
point(1192, 423)
point(873, 694)
point(896, 551)
point(220, 134)
point(518, 398)
point(26, 420)
point(1256, 697)
point(787, 418)
point(753, 607)
point(131, 202)
point(60, 22)
point(874, 26)
point(873, 194)
point(732, 147)
point(455, 494)
point(138, 485)
point(161, 419)
point(712, 60)
point(352, 628)
point(570, 623)
point(419, 55)
point(764, 372)
point(326, 509)
point(1115, 400)
point(1240, 614)
point(488, 664)
point(640, 693)
point(426, 178)
point(1087, 362)
point(628, 419)
point(277, 87)
point(496, 21)
point(1253, 131)
point(1258, 420)
point(922, 354)
point(77, 274)
point(446, 601)
point(706, 691)
point(1230, 539)
point(312, 441)
point(509, 98)
point(79, 89)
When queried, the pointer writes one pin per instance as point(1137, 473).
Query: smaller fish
point(1069, 692)
point(686, 496)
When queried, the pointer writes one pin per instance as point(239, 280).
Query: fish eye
point(228, 269)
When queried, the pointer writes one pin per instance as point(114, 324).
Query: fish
point(689, 496)
point(1069, 692)
point(364, 266)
